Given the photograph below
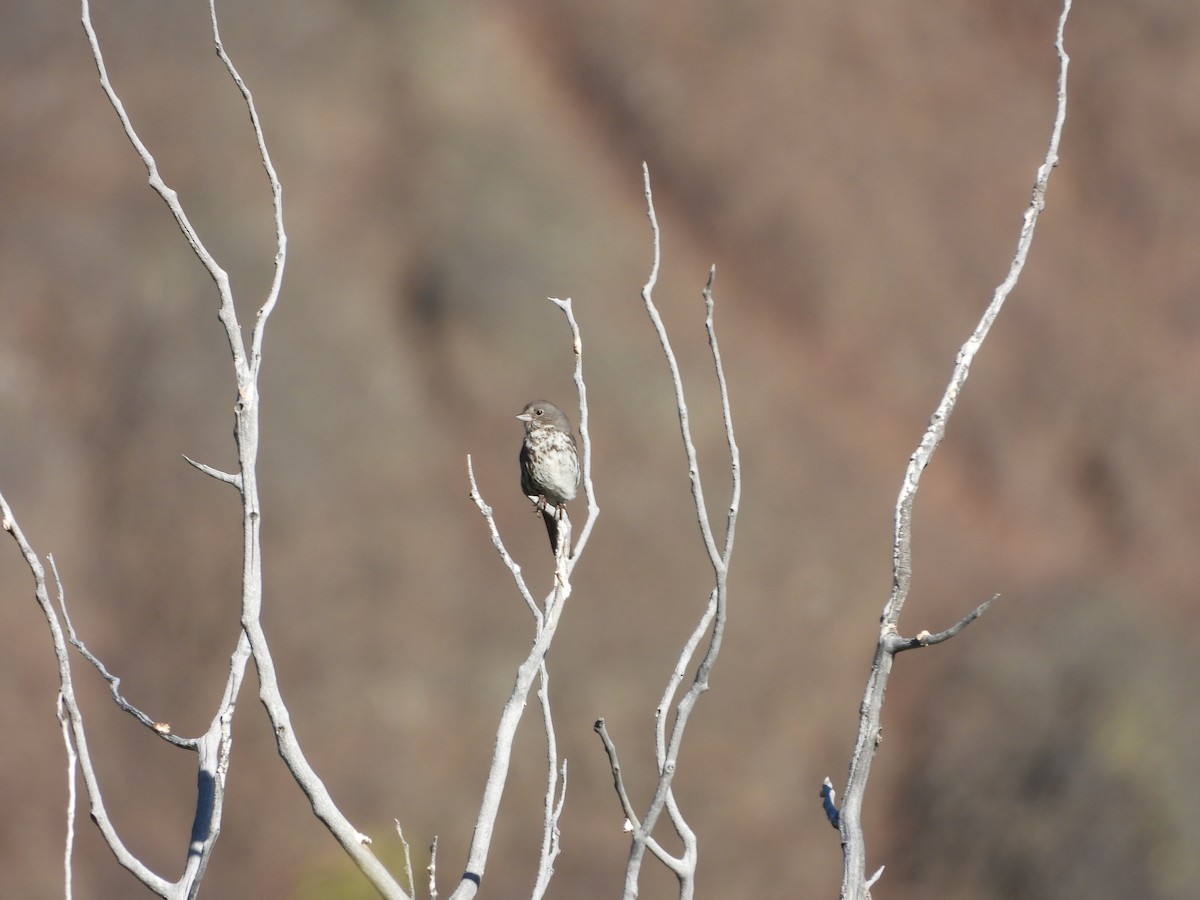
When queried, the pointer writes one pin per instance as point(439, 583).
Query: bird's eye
point(539, 411)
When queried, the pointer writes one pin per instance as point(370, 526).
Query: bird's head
point(542, 414)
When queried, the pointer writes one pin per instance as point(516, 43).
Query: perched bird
point(549, 463)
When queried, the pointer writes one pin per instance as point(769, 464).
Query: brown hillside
point(858, 177)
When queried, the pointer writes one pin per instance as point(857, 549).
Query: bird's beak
point(525, 417)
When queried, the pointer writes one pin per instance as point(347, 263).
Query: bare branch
point(925, 639)
point(227, 477)
point(585, 436)
point(408, 869)
point(498, 543)
point(214, 746)
point(874, 878)
point(547, 618)
point(631, 818)
point(735, 464)
point(685, 428)
point(662, 711)
point(219, 276)
point(601, 728)
point(114, 683)
point(554, 800)
point(264, 311)
point(855, 884)
point(70, 705)
point(433, 891)
point(72, 772)
point(510, 717)
point(667, 749)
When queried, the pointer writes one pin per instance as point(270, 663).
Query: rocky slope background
point(858, 176)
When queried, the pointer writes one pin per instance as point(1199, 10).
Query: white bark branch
point(667, 748)
point(213, 747)
point(585, 436)
point(546, 618)
point(855, 883)
point(227, 477)
point(72, 773)
point(74, 715)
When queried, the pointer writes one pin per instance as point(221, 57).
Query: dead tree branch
point(546, 619)
point(712, 621)
point(212, 748)
point(848, 820)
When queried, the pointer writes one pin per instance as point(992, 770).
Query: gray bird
point(549, 463)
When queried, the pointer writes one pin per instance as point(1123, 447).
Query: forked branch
point(212, 747)
point(855, 883)
point(533, 668)
point(669, 729)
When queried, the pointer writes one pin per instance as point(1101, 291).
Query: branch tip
point(925, 639)
point(226, 477)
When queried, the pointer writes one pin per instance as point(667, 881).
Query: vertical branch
point(554, 799)
point(213, 747)
point(735, 458)
point(432, 869)
point(510, 717)
point(246, 412)
point(685, 428)
point(848, 820)
point(547, 619)
point(550, 845)
point(72, 758)
point(667, 747)
point(585, 435)
point(219, 276)
point(264, 155)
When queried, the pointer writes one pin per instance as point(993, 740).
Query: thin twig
point(664, 340)
point(227, 477)
point(114, 683)
point(408, 869)
point(661, 712)
point(925, 639)
point(874, 878)
point(585, 434)
point(264, 156)
point(631, 817)
point(513, 567)
point(553, 802)
point(432, 869)
point(735, 465)
point(168, 194)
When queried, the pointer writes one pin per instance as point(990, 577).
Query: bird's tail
point(550, 516)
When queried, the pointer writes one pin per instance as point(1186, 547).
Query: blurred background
point(858, 177)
